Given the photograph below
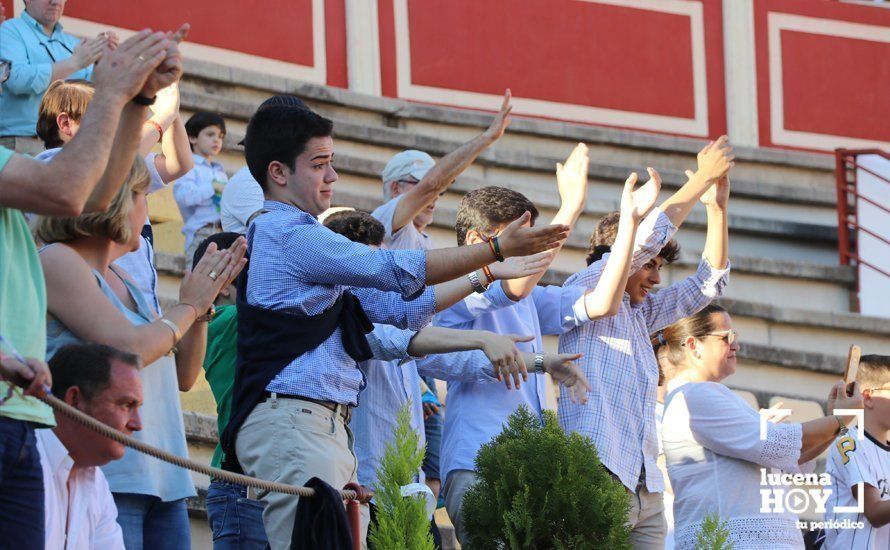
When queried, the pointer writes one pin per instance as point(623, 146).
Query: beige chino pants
point(291, 441)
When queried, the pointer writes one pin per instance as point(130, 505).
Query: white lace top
point(714, 455)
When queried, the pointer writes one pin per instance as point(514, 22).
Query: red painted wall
point(277, 29)
point(831, 85)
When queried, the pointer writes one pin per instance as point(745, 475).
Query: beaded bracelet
point(487, 271)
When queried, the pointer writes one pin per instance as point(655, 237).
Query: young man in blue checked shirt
point(301, 327)
point(622, 369)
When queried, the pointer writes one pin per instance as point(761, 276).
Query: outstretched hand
point(516, 240)
point(507, 360)
point(501, 120)
point(518, 267)
point(569, 375)
point(571, 178)
point(638, 203)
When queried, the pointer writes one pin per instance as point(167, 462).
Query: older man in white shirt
point(104, 383)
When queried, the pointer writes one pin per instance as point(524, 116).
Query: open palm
point(638, 203)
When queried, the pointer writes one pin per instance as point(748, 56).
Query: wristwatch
point(539, 362)
point(477, 285)
point(843, 427)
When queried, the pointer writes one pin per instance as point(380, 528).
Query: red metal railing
point(848, 195)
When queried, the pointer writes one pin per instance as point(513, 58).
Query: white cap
point(408, 163)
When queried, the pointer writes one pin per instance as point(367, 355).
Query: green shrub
point(713, 534)
point(401, 522)
point(542, 488)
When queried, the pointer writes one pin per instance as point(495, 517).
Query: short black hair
point(201, 120)
point(223, 241)
point(488, 208)
point(280, 133)
point(87, 366)
point(357, 226)
point(282, 99)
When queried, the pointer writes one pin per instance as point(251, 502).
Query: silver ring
point(213, 275)
point(141, 58)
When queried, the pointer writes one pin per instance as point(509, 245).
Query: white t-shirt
point(714, 455)
point(852, 461)
point(80, 511)
point(241, 199)
point(407, 237)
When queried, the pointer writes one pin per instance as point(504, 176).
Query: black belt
point(345, 411)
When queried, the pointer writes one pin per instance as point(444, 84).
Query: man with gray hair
point(413, 181)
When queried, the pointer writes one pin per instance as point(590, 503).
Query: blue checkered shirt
point(619, 363)
point(299, 266)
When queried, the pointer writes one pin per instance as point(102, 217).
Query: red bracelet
point(487, 271)
point(158, 128)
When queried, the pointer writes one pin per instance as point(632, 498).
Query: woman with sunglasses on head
point(712, 441)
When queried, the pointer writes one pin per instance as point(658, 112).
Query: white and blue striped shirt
point(299, 266)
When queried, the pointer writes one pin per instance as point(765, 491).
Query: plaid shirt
point(619, 363)
point(299, 266)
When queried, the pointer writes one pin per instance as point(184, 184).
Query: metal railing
point(847, 168)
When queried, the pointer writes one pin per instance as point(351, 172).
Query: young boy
point(618, 357)
point(198, 193)
point(863, 464)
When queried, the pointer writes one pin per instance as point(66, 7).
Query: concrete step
point(544, 136)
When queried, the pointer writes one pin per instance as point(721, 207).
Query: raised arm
point(818, 434)
point(64, 186)
point(605, 299)
point(714, 161)
point(571, 179)
point(176, 158)
point(716, 200)
point(443, 174)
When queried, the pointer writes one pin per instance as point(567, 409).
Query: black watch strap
point(140, 99)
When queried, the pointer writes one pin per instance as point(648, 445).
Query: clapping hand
point(717, 194)
point(89, 50)
point(501, 120)
point(124, 70)
point(715, 160)
point(571, 178)
point(638, 203)
point(170, 69)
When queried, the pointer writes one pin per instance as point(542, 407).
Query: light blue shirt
point(196, 197)
point(478, 412)
point(393, 380)
point(24, 42)
point(299, 266)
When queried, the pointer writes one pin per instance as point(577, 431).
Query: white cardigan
point(714, 456)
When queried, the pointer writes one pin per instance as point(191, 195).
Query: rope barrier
point(64, 408)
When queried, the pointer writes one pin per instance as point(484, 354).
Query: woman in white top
point(712, 442)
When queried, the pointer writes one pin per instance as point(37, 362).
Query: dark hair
point(282, 99)
point(201, 120)
point(280, 133)
point(357, 226)
point(63, 96)
point(604, 237)
point(223, 241)
point(488, 208)
point(696, 325)
point(874, 371)
point(87, 366)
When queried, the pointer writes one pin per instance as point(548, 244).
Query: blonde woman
point(89, 300)
point(712, 442)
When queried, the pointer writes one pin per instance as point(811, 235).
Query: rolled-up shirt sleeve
point(24, 77)
point(560, 309)
point(389, 343)
point(473, 306)
point(391, 309)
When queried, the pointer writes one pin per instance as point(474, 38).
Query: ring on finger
point(141, 58)
point(213, 275)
